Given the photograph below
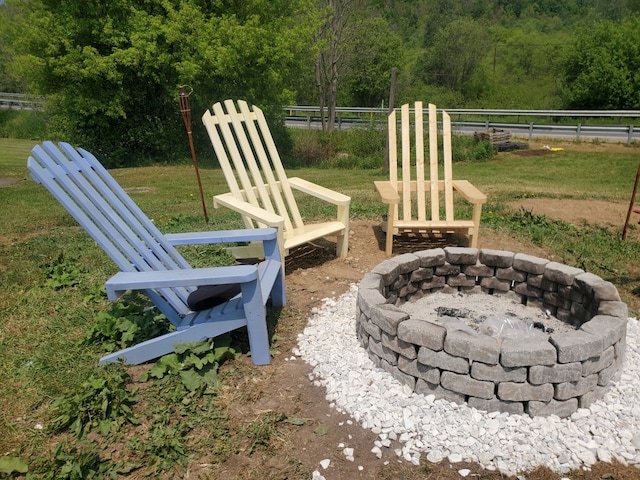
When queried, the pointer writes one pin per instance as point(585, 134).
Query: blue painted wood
point(149, 261)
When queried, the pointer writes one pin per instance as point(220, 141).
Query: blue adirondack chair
point(149, 261)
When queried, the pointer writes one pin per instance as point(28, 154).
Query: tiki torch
point(185, 109)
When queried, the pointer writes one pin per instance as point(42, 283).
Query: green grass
point(51, 278)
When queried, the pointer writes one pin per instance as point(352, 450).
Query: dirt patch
point(595, 212)
point(319, 432)
point(6, 181)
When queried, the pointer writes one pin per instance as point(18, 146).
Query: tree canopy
point(111, 70)
point(601, 70)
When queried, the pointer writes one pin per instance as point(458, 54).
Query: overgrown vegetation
point(111, 75)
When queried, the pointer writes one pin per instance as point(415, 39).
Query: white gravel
point(432, 430)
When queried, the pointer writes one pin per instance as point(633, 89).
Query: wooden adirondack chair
point(260, 190)
point(417, 188)
point(149, 261)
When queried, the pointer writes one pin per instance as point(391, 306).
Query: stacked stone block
point(557, 375)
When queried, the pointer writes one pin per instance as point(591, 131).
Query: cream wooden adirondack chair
point(260, 190)
point(426, 202)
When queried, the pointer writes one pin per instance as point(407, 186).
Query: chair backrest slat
point(448, 170)
point(406, 163)
point(89, 193)
point(269, 162)
point(420, 192)
point(255, 161)
point(412, 163)
point(433, 162)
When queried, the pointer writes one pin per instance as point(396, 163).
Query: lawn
point(52, 298)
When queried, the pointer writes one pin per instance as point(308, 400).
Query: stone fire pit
point(553, 374)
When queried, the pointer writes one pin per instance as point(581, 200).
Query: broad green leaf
point(191, 380)
point(11, 465)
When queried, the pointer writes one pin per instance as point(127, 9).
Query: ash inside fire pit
point(500, 331)
point(499, 316)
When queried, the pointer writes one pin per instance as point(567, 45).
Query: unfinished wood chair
point(422, 201)
point(260, 190)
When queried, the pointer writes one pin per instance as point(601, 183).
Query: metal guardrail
point(308, 116)
point(303, 117)
point(20, 101)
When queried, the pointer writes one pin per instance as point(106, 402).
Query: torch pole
point(185, 109)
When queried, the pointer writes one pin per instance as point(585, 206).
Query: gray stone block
point(568, 372)
point(608, 374)
point(423, 333)
point(562, 409)
point(605, 292)
point(408, 289)
point(496, 258)
point(535, 280)
point(496, 405)
point(461, 281)
point(388, 317)
point(421, 274)
point(493, 283)
point(388, 270)
point(561, 273)
point(466, 385)
point(477, 347)
point(372, 330)
point(610, 329)
point(432, 257)
point(553, 298)
point(529, 263)
point(478, 270)
point(516, 353)
point(594, 395)
point(418, 370)
point(613, 309)
point(426, 388)
point(407, 262)
point(596, 364)
point(368, 299)
point(434, 283)
point(576, 345)
point(442, 360)
point(498, 373)
point(383, 352)
point(447, 270)
point(461, 255)
point(564, 391)
point(521, 392)
point(528, 291)
point(511, 274)
point(399, 346)
point(371, 281)
point(404, 378)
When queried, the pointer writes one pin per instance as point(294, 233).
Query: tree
point(111, 70)
point(458, 49)
point(601, 69)
point(330, 57)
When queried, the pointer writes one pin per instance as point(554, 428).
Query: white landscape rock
point(437, 429)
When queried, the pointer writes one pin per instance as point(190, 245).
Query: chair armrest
point(469, 192)
point(386, 191)
point(123, 281)
point(320, 192)
point(245, 208)
point(224, 236)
